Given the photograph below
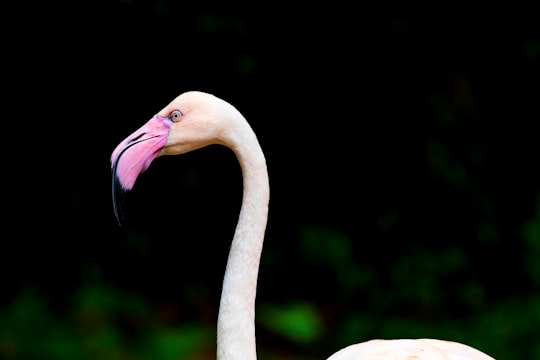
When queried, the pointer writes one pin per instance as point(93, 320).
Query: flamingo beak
point(134, 155)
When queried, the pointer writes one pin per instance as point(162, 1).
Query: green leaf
point(299, 322)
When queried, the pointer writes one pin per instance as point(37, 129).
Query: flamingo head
point(191, 121)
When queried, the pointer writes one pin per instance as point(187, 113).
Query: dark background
point(402, 151)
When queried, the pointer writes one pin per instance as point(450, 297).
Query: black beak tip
point(118, 198)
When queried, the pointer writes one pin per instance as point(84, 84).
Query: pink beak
point(134, 155)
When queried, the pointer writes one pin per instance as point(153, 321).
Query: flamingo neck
point(236, 319)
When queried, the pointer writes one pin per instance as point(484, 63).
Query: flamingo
point(196, 119)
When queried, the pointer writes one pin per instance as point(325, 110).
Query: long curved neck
point(236, 319)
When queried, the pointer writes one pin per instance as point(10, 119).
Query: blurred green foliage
point(104, 322)
point(100, 323)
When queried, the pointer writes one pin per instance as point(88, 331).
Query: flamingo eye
point(176, 115)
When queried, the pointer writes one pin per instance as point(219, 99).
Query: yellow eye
point(176, 115)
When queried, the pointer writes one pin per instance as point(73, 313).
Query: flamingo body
point(197, 119)
point(409, 349)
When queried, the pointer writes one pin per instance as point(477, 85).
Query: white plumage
point(196, 119)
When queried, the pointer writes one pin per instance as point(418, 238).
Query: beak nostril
point(137, 137)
